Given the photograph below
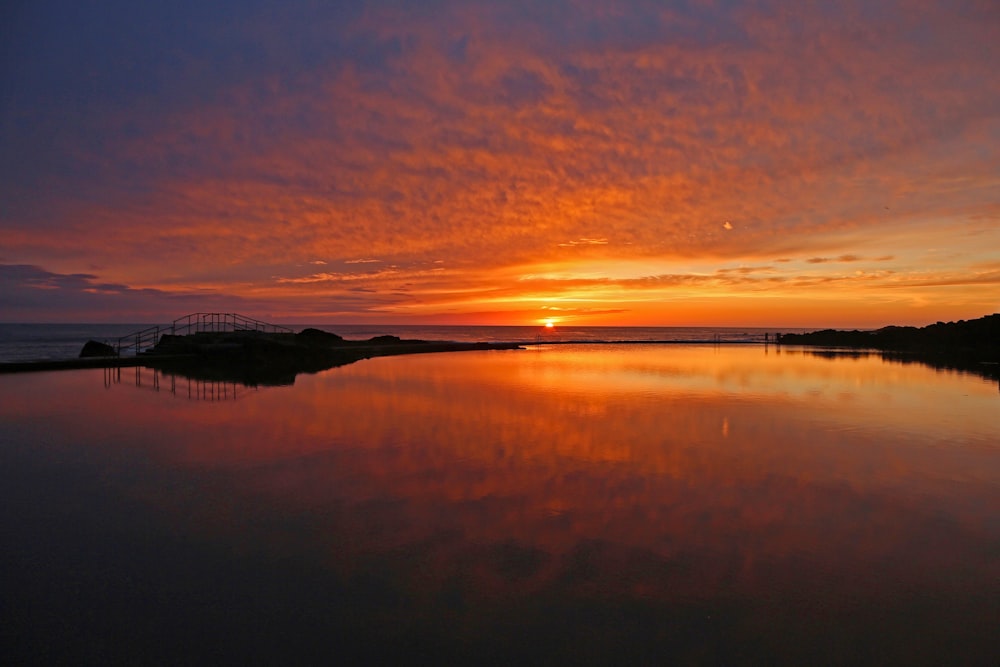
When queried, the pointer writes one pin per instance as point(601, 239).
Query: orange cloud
point(462, 149)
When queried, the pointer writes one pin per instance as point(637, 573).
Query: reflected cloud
point(495, 490)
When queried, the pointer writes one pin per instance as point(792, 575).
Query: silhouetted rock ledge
point(92, 348)
point(275, 358)
point(319, 336)
point(252, 356)
point(965, 340)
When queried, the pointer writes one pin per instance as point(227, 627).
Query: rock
point(92, 348)
point(385, 340)
point(319, 336)
point(972, 340)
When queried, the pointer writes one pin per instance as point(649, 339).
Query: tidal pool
point(600, 504)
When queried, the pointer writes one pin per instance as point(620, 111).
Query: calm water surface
point(601, 504)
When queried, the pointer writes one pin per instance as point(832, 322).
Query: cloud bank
point(636, 156)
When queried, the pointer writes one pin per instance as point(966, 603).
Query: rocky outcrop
point(253, 357)
point(977, 340)
point(92, 348)
point(387, 340)
point(318, 336)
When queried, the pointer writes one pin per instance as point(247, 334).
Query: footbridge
point(135, 343)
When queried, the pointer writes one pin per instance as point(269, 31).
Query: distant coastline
point(971, 339)
point(966, 345)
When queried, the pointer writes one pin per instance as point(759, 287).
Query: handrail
point(194, 323)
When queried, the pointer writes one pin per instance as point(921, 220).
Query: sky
point(696, 163)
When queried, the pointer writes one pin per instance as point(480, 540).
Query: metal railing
point(194, 323)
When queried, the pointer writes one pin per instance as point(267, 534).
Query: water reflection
point(990, 371)
point(701, 504)
point(176, 384)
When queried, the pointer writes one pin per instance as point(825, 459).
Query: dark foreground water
point(557, 505)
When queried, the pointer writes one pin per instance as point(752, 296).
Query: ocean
point(44, 342)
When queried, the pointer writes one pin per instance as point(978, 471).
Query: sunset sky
point(631, 163)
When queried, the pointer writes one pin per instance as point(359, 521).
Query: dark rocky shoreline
point(965, 345)
point(972, 339)
point(249, 357)
point(275, 359)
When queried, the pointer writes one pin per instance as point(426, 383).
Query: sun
point(550, 324)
